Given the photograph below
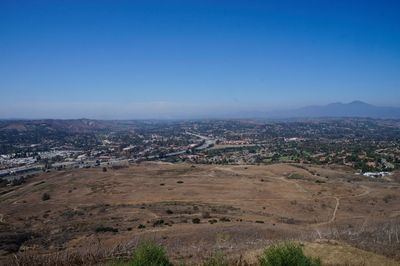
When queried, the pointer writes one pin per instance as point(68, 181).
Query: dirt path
point(333, 218)
point(298, 186)
point(335, 210)
point(233, 171)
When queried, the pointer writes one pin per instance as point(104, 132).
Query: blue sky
point(152, 59)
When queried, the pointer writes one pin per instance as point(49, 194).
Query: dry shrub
point(381, 238)
point(93, 256)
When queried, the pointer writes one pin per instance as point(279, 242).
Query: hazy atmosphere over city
point(188, 59)
point(199, 133)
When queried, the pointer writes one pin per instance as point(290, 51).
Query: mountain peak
point(357, 102)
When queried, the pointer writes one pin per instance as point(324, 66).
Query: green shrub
point(196, 220)
point(287, 254)
point(146, 254)
point(295, 176)
point(213, 221)
point(102, 229)
point(158, 223)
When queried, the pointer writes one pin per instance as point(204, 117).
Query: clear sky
point(142, 59)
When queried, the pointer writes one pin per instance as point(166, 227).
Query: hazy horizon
point(152, 59)
point(166, 111)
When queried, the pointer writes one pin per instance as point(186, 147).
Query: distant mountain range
point(353, 109)
point(56, 125)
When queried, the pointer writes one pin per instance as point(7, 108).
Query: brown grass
point(238, 198)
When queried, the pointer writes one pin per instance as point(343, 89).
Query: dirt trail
point(366, 192)
point(298, 186)
point(233, 171)
point(335, 210)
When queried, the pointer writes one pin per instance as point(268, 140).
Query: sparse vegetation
point(18, 181)
point(388, 198)
point(132, 202)
point(295, 176)
point(213, 221)
point(159, 222)
point(216, 260)
point(102, 229)
point(45, 196)
point(284, 254)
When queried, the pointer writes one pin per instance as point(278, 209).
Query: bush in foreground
point(287, 254)
point(147, 253)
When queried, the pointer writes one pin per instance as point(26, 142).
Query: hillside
point(196, 210)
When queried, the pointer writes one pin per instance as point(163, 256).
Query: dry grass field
point(196, 210)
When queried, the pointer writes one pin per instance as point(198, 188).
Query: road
point(208, 142)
